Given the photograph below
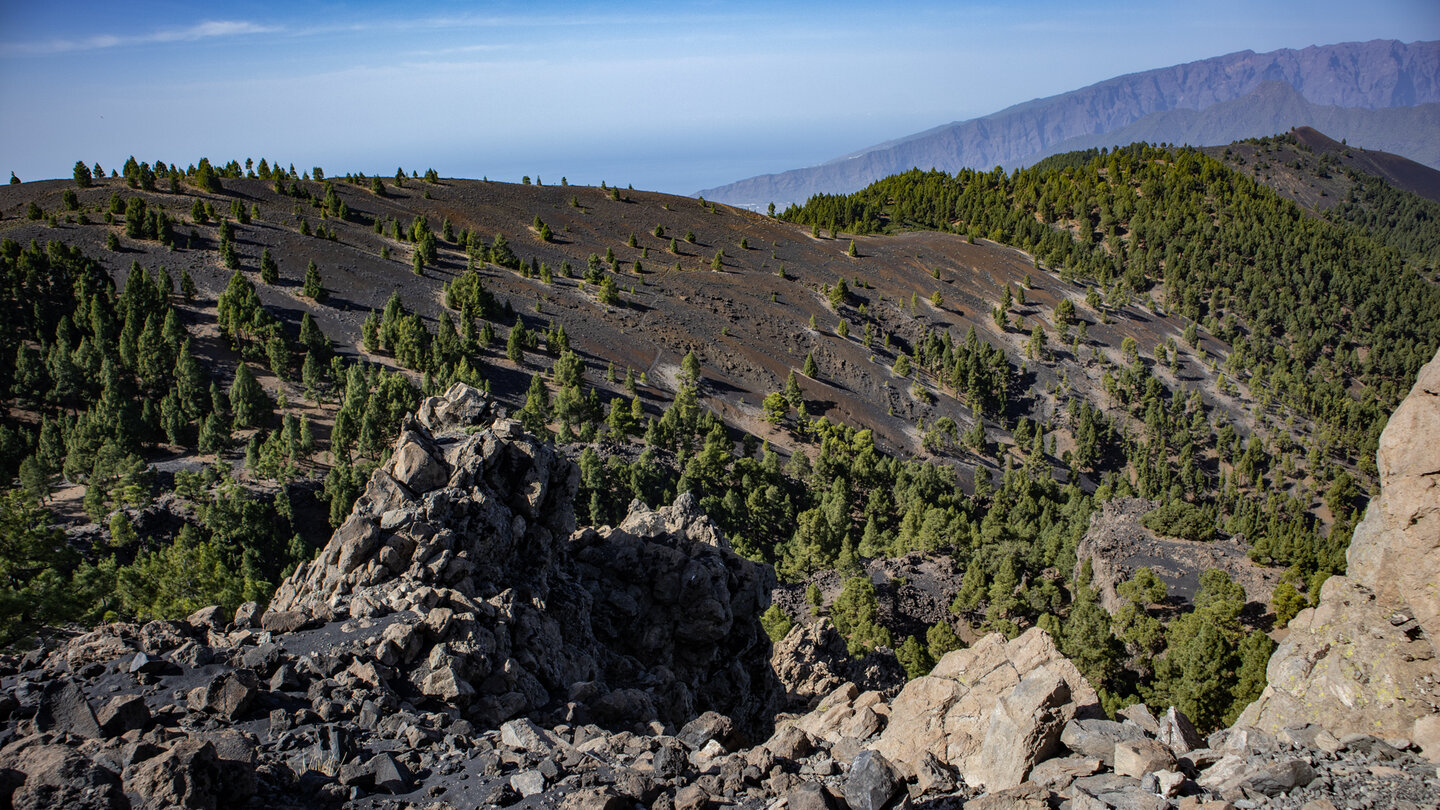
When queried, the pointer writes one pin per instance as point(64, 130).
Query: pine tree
point(792, 391)
point(609, 292)
point(690, 370)
point(83, 177)
point(915, 659)
point(370, 332)
point(515, 345)
point(307, 436)
point(312, 376)
point(35, 479)
point(206, 178)
point(810, 370)
point(313, 288)
point(214, 434)
point(1064, 312)
point(277, 352)
point(941, 640)
point(776, 623)
point(1035, 347)
point(187, 285)
point(856, 615)
point(269, 270)
point(311, 337)
point(535, 415)
point(172, 419)
point(249, 403)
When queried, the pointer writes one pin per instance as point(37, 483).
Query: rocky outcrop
point(1364, 659)
point(812, 661)
point(1117, 543)
point(469, 528)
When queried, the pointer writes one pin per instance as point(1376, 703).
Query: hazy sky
point(664, 95)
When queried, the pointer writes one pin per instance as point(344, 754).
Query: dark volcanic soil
point(748, 325)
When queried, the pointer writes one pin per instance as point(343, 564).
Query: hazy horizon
point(667, 97)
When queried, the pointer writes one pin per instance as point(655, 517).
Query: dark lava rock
point(64, 709)
point(228, 695)
point(872, 782)
point(708, 726)
point(123, 713)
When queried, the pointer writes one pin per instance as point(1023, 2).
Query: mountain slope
point(1315, 170)
point(1363, 76)
point(1393, 199)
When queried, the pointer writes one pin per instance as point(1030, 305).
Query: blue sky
point(671, 96)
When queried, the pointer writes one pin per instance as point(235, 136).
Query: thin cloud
point(211, 29)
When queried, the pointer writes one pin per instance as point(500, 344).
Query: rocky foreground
point(459, 644)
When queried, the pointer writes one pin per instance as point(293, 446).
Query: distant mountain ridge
point(1274, 107)
point(1383, 91)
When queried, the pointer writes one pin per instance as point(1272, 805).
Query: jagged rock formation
point(469, 527)
point(1364, 659)
point(812, 661)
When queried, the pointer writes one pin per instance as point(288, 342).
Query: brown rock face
point(1396, 550)
point(1364, 660)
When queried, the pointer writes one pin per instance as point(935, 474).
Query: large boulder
point(871, 783)
point(44, 776)
point(64, 709)
point(682, 517)
point(992, 710)
point(1364, 659)
point(810, 661)
point(188, 775)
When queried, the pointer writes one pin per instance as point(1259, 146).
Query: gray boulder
point(228, 695)
point(872, 782)
point(44, 776)
point(1177, 733)
point(1097, 738)
point(188, 775)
